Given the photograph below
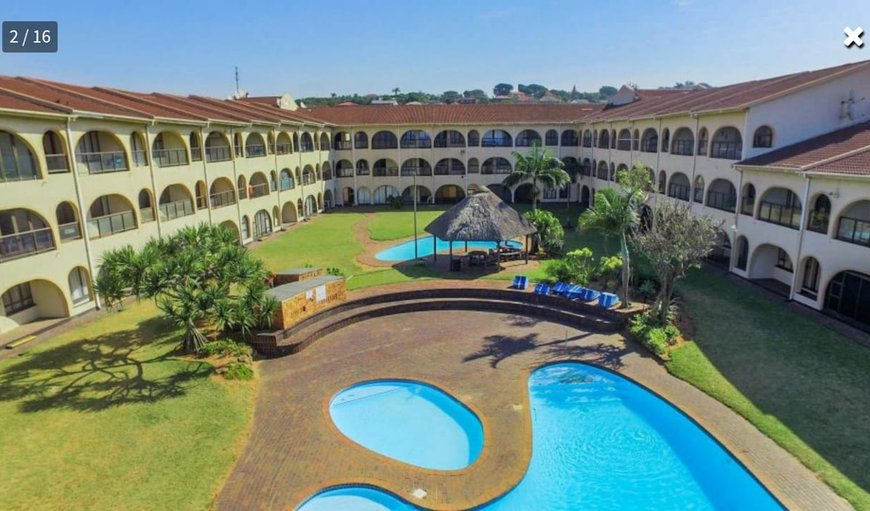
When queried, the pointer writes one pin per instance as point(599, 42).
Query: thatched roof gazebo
point(480, 216)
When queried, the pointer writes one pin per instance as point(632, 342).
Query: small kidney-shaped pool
point(405, 251)
point(409, 421)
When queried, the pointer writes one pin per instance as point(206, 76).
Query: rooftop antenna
point(237, 81)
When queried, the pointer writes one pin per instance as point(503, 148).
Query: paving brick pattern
point(483, 359)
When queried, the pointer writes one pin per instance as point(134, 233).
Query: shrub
point(647, 289)
point(550, 235)
point(657, 341)
point(236, 370)
point(396, 202)
point(672, 333)
point(225, 348)
point(335, 272)
point(575, 266)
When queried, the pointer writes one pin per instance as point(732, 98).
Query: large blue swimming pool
point(405, 250)
point(603, 442)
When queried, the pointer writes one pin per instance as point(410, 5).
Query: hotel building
point(783, 163)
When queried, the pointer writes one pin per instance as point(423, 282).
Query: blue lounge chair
point(520, 282)
point(607, 300)
point(560, 288)
point(542, 289)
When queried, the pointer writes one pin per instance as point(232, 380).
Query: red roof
point(451, 114)
point(845, 151)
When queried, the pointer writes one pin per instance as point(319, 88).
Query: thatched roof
point(481, 216)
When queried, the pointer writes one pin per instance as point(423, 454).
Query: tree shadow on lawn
point(92, 374)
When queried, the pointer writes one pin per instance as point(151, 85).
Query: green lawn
point(391, 224)
point(106, 417)
point(800, 383)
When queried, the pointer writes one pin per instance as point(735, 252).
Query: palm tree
point(538, 165)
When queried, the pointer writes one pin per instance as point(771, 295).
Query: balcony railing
point(217, 153)
point(623, 145)
point(683, 147)
point(854, 230)
point(169, 157)
point(747, 206)
point(819, 221)
point(282, 148)
point(259, 190)
point(221, 199)
point(780, 214)
point(286, 184)
point(69, 231)
point(678, 191)
point(175, 209)
point(343, 145)
point(102, 163)
point(327, 175)
point(443, 171)
point(107, 225)
point(243, 193)
point(146, 215)
point(196, 154)
point(496, 170)
point(56, 163)
point(721, 200)
point(201, 203)
point(307, 179)
point(344, 172)
point(139, 158)
point(362, 172)
point(13, 246)
point(255, 150)
point(726, 150)
point(385, 172)
point(649, 145)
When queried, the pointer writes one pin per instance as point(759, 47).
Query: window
point(810, 282)
point(587, 138)
point(17, 299)
point(763, 137)
point(820, 214)
point(782, 260)
point(569, 138)
point(727, 144)
point(360, 140)
point(748, 202)
point(195, 152)
point(525, 138)
point(55, 158)
point(635, 140)
point(362, 168)
point(666, 140)
point(416, 139)
point(496, 138)
point(702, 142)
point(473, 138)
point(551, 138)
point(449, 138)
point(78, 285)
point(699, 189)
point(473, 166)
point(246, 228)
point(384, 140)
point(742, 253)
point(16, 160)
point(650, 141)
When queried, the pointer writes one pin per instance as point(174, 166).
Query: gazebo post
point(450, 262)
point(466, 245)
point(527, 249)
point(434, 247)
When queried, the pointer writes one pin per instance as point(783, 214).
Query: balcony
point(103, 226)
point(649, 145)
point(102, 163)
point(139, 158)
point(343, 145)
point(854, 230)
point(726, 150)
point(221, 199)
point(818, 221)
point(286, 184)
point(683, 147)
point(196, 154)
point(307, 179)
point(327, 175)
point(780, 214)
point(255, 151)
point(22, 244)
point(146, 215)
point(282, 149)
point(722, 201)
point(344, 172)
point(169, 157)
point(218, 153)
point(176, 209)
point(69, 231)
point(678, 191)
point(56, 163)
point(259, 190)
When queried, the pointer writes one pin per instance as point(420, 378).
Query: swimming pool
point(601, 441)
point(409, 421)
point(405, 250)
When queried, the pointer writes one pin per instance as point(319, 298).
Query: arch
point(763, 137)
point(306, 142)
point(551, 138)
point(217, 147)
point(587, 138)
point(78, 281)
point(604, 139)
point(473, 138)
point(679, 186)
point(569, 138)
point(623, 140)
point(684, 142)
point(449, 166)
point(138, 149)
point(310, 206)
point(449, 138)
point(808, 277)
point(727, 144)
point(416, 139)
point(68, 224)
point(613, 139)
point(496, 165)
point(417, 166)
point(649, 141)
point(721, 252)
point(326, 171)
point(635, 140)
point(722, 195)
point(703, 142)
point(341, 141)
point(168, 150)
point(344, 168)
point(324, 142)
point(771, 262)
point(572, 166)
point(619, 169)
point(232, 227)
point(270, 139)
point(601, 171)
point(423, 195)
point(242, 185)
point(524, 194)
point(284, 144)
point(503, 192)
point(666, 140)
point(495, 138)
point(347, 196)
point(300, 208)
point(848, 296)
point(221, 193)
point(23, 232)
point(298, 174)
point(747, 200)
point(34, 299)
point(308, 175)
point(742, 253)
point(238, 145)
point(362, 168)
point(318, 176)
point(780, 206)
point(820, 214)
point(449, 194)
point(385, 140)
point(584, 196)
point(245, 228)
point(363, 195)
point(473, 166)
point(385, 167)
point(663, 180)
point(262, 224)
point(255, 146)
point(853, 223)
point(285, 180)
point(612, 172)
point(175, 202)
point(698, 190)
point(361, 140)
point(384, 193)
point(110, 214)
point(319, 201)
point(199, 190)
point(328, 203)
point(586, 167)
point(55, 153)
point(527, 137)
point(258, 186)
point(99, 152)
point(147, 213)
point(195, 146)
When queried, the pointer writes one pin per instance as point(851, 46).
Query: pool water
point(409, 421)
point(405, 250)
point(354, 498)
point(602, 442)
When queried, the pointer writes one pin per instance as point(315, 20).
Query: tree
point(450, 96)
point(538, 165)
point(502, 89)
point(618, 213)
point(476, 94)
point(396, 91)
point(200, 278)
point(676, 242)
point(550, 235)
point(607, 91)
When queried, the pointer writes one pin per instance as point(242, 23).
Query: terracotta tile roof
point(15, 101)
point(845, 151)
point(73, 100)
point(451, 114)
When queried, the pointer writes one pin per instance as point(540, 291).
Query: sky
point(315, 48)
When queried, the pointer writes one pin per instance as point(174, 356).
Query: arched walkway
point(449, 194)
